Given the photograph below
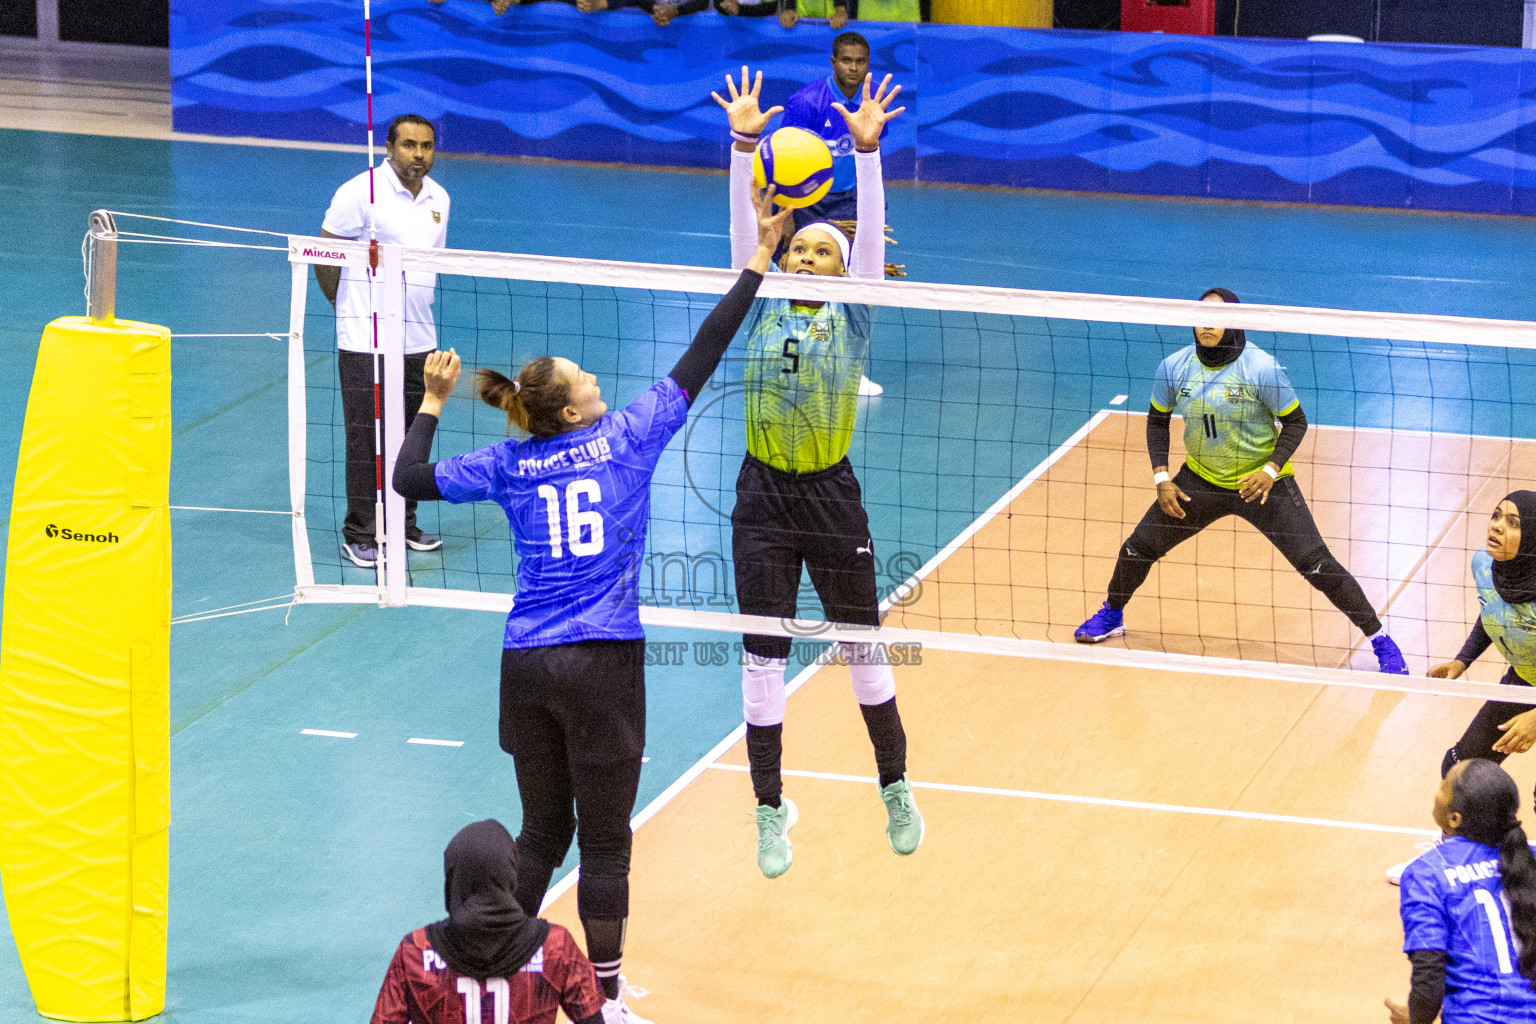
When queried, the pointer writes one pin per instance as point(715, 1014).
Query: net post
point(101, 293)
point(298, 425)
point(391, 293)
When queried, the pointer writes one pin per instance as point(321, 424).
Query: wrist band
point(744, 138)
point(1160, 478)
point(1273, 473)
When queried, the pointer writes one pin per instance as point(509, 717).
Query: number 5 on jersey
point(584, 526)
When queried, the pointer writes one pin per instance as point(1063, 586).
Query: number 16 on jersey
point(584, 526)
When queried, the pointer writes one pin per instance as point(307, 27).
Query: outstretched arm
point(748, 123)
point(697, 364)
point(866, 125)
point(414, 476)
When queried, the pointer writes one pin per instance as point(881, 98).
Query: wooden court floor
point(1105, 844)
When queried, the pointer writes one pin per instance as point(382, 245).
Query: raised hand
point(772, 219)
point(441, 373)
point(742, 110)
point(866, 123)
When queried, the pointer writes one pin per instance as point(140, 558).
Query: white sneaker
point(616, 1012)
point(869, 389)
point(1395, 872)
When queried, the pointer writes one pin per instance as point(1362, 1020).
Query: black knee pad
point(601, 896)
point(767, 646)
point(546, 841)
point(605, 852)
point(1319, 567)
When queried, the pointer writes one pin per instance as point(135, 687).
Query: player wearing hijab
point(577, 496)
point(1469, 907)
point(1230, 393)
point(798, 503)
point(487, 952)
point(1504, 573)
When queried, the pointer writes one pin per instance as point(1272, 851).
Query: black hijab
point(486, 934)
point(1488, 801)
point(1232, 340)
point(1515, 580)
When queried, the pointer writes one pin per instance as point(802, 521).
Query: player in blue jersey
point(814, 108)
point(798, 502)
point(1469, 907)
point(577, 496)
point(1236, 463)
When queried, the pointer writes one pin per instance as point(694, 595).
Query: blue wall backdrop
point(1412, 126)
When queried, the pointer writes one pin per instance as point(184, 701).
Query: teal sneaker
point(774, 852)
point(905, 828)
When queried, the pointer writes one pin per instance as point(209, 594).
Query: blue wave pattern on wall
point(1442, 127)
point(540, 81)
point(1402, 126)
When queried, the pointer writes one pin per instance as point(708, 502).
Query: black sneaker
point(420, 541)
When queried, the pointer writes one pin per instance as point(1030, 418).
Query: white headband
point(837, 236)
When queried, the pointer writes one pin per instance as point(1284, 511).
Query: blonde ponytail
point(532, 401)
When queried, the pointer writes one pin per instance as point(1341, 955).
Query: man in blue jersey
point(811, 109)
point(1469, 907)
point(1229, 394)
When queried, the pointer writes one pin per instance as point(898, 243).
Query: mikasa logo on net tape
point(323, 254)
point(64, 533)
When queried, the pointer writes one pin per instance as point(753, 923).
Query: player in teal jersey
point(1504, 573)
point(798, 503)
point(1237, 462)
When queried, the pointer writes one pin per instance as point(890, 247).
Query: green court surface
point(298, 861)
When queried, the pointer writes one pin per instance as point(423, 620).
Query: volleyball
point(799, 163)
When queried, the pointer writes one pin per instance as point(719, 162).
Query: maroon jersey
point(420, 989)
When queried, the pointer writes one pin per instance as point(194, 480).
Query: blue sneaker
point(1388, 656)
point(1105, 623)
point(362, 553)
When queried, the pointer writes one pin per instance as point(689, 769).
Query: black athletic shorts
point(783, 521)
point(593, 691)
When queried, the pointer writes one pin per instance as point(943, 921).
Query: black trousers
point(1283, 519)
point(573, 719)
point(1483, 732)
point(784, 522)
point(356, 372)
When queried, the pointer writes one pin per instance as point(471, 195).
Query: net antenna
point(101, 267)
point(379, 528)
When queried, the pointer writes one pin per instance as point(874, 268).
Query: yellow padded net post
point(85, 674)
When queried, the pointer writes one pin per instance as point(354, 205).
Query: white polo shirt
point(419, 221)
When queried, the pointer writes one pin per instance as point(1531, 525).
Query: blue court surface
point(298, 861)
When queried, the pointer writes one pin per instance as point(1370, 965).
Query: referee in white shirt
point(410, 209)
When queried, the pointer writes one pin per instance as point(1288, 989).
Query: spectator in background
point(811, 108)
point(835, 11)
point(661, 11)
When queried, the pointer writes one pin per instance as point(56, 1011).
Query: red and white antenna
point(373, 270)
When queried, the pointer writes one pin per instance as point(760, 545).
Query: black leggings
point(573, 719)
point(1483, 732)
point(1283, 519)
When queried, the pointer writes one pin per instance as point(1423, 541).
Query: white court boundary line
point(1104, 801)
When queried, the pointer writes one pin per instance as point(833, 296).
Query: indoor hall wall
point(1388, 125)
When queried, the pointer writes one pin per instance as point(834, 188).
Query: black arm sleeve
point(414, 477)
point(1428, 990)
point(1158, 435)
point(1478, 641)
point(1293, 427)
point(715, 333)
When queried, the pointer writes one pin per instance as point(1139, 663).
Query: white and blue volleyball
point(798, 163)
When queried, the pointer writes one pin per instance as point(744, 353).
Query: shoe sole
point(416, 546)
point(358, 562)
point(789, 823)
point(1088, 638)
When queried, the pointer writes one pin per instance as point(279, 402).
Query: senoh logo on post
point(65, 533)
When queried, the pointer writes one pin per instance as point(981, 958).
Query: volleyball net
point(1002, 468)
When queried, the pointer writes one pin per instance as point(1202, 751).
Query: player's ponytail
point(1488, 801)
point(1517, 869)
point(532, 401)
